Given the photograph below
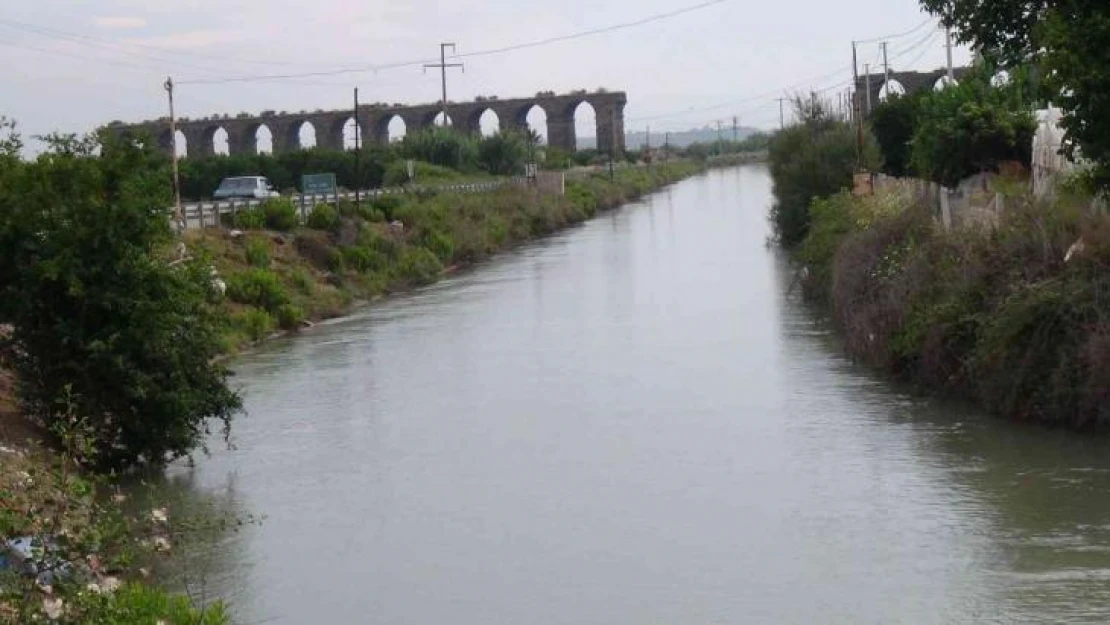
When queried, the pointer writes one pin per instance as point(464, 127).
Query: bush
point(280, 214)
point(440, 146)
point(249, 218)
point(363, 259)
point(98, 318)
point(304, 281)
point(257, 287)
point(323, 217)
point(386, 205)
point(254, 323)
point(894, 122)
point(418, 266)
point(503, 154)
point(257, 253)
point(812, 159)
point(289, 317)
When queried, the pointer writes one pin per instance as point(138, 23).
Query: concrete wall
point(374, 120)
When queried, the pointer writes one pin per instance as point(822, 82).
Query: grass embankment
point(994, 315)
point(278, 275)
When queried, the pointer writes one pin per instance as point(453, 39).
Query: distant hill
point(678, 139)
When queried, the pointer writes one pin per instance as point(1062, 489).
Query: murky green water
point(636, 422)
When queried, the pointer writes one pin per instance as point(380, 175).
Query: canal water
point(634, 422)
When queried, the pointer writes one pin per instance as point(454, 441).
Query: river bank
point(1013, 317)
point(280, 280)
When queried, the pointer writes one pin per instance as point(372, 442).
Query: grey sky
point(721, 54)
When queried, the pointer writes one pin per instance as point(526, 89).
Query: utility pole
point(667, 146)
point(443, 65)
point(358, 157)
point(782, 117)
point(178, 214)
point(948, 49)
point(886, 72)
point(735, 129)
point(867, 72)
point(719, 139)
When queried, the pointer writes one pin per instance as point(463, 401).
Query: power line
point(519, 46)
point(897, 35)
point(126, 45)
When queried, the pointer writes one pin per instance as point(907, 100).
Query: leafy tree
point(441, 146)
point(894, 122)
point(812, 159)
point(969, 128)
point(503, 154)
point(98, 316)
point(1066, 40)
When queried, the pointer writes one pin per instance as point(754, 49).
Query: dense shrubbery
point(257, 287)
point(323, 217)
point(997, 316)
point(814, 158)
point(98, 314)
point(894, 122)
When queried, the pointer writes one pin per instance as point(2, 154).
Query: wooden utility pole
point(720, 139)
point(358, 157)
point(782, 117)
point(443, 65)
point(867, 85)
point(735, 129)
point(948, 49)
point(178, 214)
point(886, 72)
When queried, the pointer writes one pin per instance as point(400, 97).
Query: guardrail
point(204, 214)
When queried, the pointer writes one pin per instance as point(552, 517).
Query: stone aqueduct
point(374, 120)
point(912, 82)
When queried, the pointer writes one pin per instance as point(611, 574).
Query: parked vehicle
point(255, 187)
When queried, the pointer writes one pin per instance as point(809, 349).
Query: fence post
point(233, 212)
point(304, 215)
point(945, 209)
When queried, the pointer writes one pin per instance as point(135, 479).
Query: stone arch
point(390, 128)
point(301, 134)
point(943, 82)
point(352, 134)
point(585, 124)
point(485, 122)
point(262, 138)
point(435, 118)
point(218, 138)
point(893, 87)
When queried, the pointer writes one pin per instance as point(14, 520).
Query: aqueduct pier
point(374, 121)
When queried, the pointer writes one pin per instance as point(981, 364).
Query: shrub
point(257, 287)
point(438, 242)
point(257, 252)
point(254, 323)
point(280, 214)
point(418, 266)
point(249, 218)
point(96, 314)
point(363, 259)
point(289, 317)
point(304, 281)
point(323, 217)
point(386, 205)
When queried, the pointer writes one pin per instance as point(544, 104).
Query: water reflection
point(636, 421)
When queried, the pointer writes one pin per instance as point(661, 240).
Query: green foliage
point(249, 218)
point(257, 252)
point(386, 205)
point(969, 128)
point(280, 214)
point(135, 604)
point(323, 217)
point(1065, 42)
point(556, 159)
point(254, 323)
point(418, 266)
point(812, 159)
point(504, 153)
point(97, 313)
point(303, 281)
point(441, 146)
point(894, 123)
point(425, 173)
point(289, 317)
point(257, 287)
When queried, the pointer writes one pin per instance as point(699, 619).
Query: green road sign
point(319, 183)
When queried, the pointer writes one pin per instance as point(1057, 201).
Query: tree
point(104, 326)
point(969, 128)
point(1066, 41)
point(894, 122)
point(503, 154)
point(812, 159)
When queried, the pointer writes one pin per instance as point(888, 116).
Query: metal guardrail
point(203, 214)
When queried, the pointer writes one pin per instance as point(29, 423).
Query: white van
point(245, 186)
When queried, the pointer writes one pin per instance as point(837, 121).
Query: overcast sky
point(736, 56)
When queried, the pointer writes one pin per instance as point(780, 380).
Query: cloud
point(120, 22)
point(192, 39)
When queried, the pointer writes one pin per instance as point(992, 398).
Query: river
point(635, 421)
